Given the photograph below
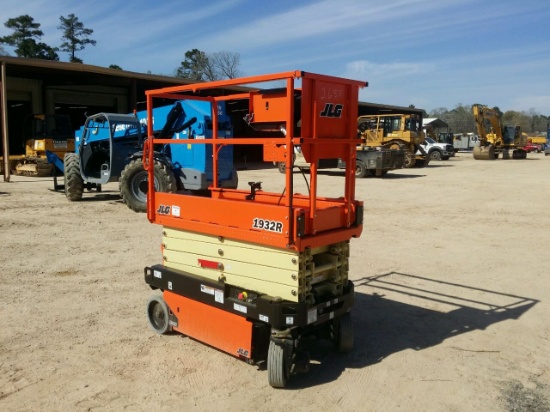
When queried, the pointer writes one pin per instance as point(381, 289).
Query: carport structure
point(35, 86)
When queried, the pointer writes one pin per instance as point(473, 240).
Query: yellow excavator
point(494, 138)
point(395, 131)
point(44, 133)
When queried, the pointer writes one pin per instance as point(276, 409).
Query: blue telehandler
point(109, 148)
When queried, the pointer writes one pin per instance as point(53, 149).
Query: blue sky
point(427, 53)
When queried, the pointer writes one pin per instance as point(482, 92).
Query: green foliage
point(24, 38)
point(461, 120)
point(75, 36)
point(115, 66)
point(194, 67)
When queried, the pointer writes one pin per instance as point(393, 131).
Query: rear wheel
point(360, 169)
point(74, 185)
point(158, 314)
point(133, 183)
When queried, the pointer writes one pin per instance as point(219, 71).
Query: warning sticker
point(207, 289)
point(239, 308)
point(175, 211)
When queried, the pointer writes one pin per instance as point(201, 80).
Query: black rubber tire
point(133, 184)
point(277, 370)
point(435, 155)
point(342, 333)
point(360, 169)
point(445, 158)
point(158, 314)
point(74, 185)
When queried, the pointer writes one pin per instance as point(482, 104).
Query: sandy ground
point(452, 302)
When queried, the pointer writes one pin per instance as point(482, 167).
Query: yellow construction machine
point(43, 133)
point(494, 138)
point(395, 131)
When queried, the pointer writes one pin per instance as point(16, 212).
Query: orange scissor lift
point(253, 272)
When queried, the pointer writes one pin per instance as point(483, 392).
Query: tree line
point(26, 39)
point(461, 120)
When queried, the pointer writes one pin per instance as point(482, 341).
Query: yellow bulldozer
point(494, 138)
point(44, 133)
point(395, 131)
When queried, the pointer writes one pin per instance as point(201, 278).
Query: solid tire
point(74, 185)
point(134, 177)
point(158, 314)
point(277, 370)
point(343, 333)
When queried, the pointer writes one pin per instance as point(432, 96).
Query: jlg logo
point(163, 210)
point(332, 110)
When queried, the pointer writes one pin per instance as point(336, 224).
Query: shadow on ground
point(383, 326)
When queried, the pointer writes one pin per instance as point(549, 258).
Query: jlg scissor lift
point(252, 272)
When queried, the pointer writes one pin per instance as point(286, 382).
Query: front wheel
point(278, 371)
point(133, 183)
point(74, 185)
point(435, 155)
point(342, 333)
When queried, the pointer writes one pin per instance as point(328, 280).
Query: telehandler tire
point(74, 185)
point(133, 183)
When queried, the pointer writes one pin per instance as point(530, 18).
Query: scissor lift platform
point(251, 272)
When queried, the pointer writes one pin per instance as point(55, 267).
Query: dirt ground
point(451, 314)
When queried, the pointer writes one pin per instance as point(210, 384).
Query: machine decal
point(243, 352)
point(157, 274)
point(290, 320)
point(264, 318)
point(163, 210)
point(218, 295)
point(60, 144)
point(207, 289)
point(332, 110)
point(266, 224)
point(176, 211)
point(240, 308)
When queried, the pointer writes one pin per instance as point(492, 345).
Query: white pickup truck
point(438, 151)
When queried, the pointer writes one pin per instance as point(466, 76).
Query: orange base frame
point(222, 330)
